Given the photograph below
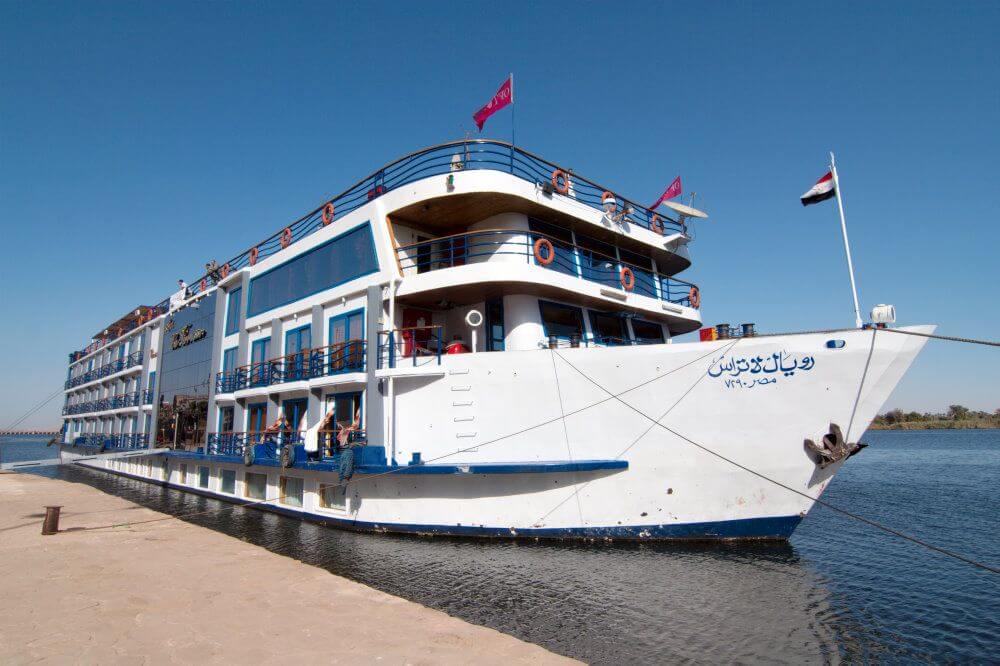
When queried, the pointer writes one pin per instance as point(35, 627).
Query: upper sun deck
point(530, 185)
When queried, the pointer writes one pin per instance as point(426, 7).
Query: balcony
point(538, 249)
point(418, 345)
point(122, 441)
point(104, 404)
point(308, 364)
point(268, 444)
point(132, 360)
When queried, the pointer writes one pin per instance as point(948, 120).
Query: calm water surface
point(838, 591)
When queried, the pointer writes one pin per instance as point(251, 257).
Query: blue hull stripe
point(780, 527)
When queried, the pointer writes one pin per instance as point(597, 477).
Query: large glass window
point(228, 481)
point(337, 261)
point(597, 261)
point(494, 325)
point(291, 490)
point(226, 418)
point(260, 370)
point(229, 359)
point(256, 486)
point(562, 321)
point(642, 268)
point(647, 332)
point(233, 311)
point(608, 329)
point(298, 342)
point(562, 243)
point(346, 351)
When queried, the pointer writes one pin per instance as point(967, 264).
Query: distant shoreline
point(937, 425)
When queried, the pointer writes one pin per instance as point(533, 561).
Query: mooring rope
point(33, 410)
point(950, 338)
point(832, 507)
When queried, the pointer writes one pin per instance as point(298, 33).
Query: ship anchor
point(833, 447)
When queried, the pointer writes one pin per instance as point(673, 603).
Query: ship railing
point(416, 345)
point(307, 364)
point(330, 442)
point(117, 365)
point(506, 245)
point(150, 313)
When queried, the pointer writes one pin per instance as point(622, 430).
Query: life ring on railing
point(224, 271)
point(328, 213)
point(546, 243)
point(656, 224)
point(627, 278)
point(560, 176)
point(609, 196)
point(203, 285)
point(254, 253)
point(286, 237)
point(694, 297)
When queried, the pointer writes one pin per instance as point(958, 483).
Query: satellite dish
point(685, 211)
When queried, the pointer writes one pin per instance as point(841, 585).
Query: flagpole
point(847, 245)
point(512, 107)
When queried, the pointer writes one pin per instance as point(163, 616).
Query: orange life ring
point(694, 297)
point(286, 237)
point(254, 253)
point(546, 243)
point(203, 285)
point(560, 176)
point(604, 200)
point(656, 224)
point(224, 271)
point(627, 278)
point(328, 213)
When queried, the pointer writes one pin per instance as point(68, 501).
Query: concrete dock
point(172, 592)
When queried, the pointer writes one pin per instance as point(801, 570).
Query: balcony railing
point(508, 246)
point(104, 404)
point(232, 443)
point(415, 344)
point(307, 364)
point(113, 441)
point(115, 366)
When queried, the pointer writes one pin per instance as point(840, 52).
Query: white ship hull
point(531, 443)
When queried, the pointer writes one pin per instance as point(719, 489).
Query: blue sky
point(138, 140)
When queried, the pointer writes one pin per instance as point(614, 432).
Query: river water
point(838, 591)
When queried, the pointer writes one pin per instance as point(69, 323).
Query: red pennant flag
point(673, 191)
point(503, 97)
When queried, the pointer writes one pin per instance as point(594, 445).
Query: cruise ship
point(476, 341)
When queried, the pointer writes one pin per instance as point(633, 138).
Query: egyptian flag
point(821, 191)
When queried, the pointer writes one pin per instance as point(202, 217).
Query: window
point(562, 243)
point(233, 311)
point(152, 380)
point(260, 374)
point(203, 477)
point(226, 419)
point(298, 342)
point(608, 329)
point(346, 408)
point(256, 486)
point(642, 268)
point(256, 417)
point(346, 332)
point(494, 325)
point(183, 474)
point(333, 496)
point(335, 262)
point(646, 332)
point(294, 412)
point(229, 359)
point(562, 321)
point(228, 481)
point(598, 261)
point(291, 490)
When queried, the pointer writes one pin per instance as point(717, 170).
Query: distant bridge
point(24, 433)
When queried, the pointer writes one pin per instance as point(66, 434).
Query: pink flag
point(503, 97)
point(673, 191)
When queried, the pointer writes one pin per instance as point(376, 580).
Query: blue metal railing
point(235, 443)
point(308, 364)
point(117, 365)
point(574, 260)
point(112, 402)
point(113, 441)
point(416, 343)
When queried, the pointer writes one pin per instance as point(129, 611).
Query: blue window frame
point(346, 328)
point(293, 411)
point(233, 311)
point(256, 417)
point(152, 380)
point(229, 359)
point(298, 342)
point(335, 262)
point(260, 371)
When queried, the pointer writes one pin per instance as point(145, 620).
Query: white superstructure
point(474, 341)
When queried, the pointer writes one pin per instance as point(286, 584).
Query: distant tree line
point(957, 416)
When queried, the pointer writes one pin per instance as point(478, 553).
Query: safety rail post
point(392, 349)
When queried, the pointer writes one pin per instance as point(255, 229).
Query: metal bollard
point(51, 523)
